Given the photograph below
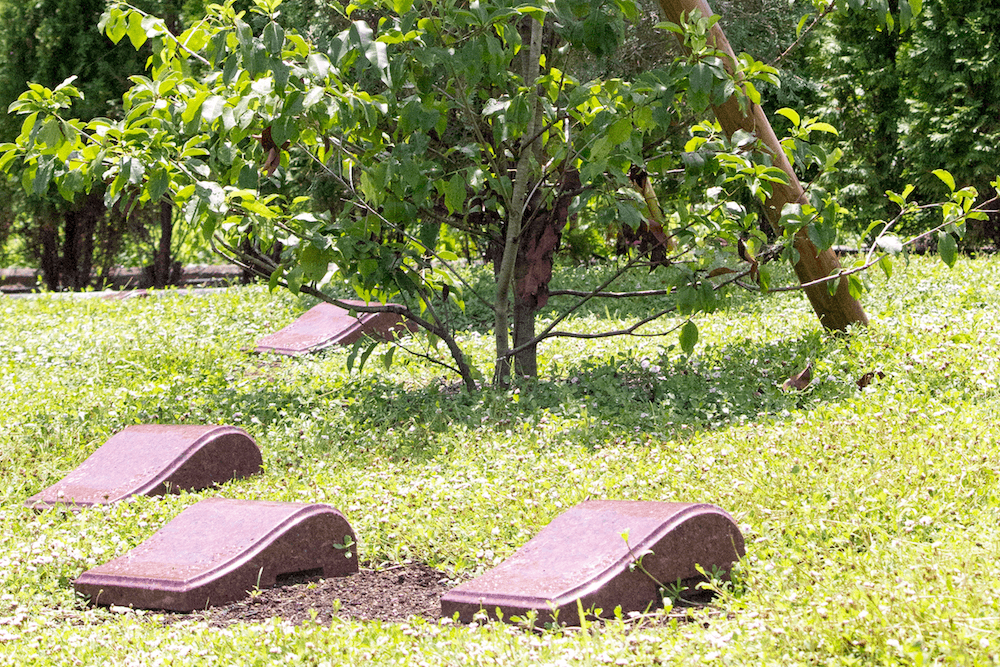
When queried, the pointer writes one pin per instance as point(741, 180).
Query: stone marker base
point(152, 459)
point(218, 550)
point(582, 556)
point(325, 325)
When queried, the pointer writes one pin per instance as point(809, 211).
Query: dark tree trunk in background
point(162, 264)
point(49, 242)
point(70, 246)
point(66, 242)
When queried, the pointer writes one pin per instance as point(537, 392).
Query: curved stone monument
point(583, 556)
point(218, 550)
point(152, 459)
point(324, 325)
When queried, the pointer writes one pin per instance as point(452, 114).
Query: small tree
point(420, 116)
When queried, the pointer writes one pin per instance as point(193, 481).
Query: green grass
point(872, 517)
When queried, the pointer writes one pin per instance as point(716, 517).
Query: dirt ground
point(395, 593)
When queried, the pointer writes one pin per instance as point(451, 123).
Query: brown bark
point(49, 242)
point(162, 264)
point(835, 311)
point(541, 234)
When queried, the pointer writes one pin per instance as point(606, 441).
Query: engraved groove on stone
point(219, 550)
point(153, 459)
point(582, 556)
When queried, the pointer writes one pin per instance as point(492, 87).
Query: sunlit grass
point(872, 516)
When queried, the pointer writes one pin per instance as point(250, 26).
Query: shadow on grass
point(588, 402)
point(619, 399)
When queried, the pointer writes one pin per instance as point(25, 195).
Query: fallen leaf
point(866, 379)
point(799, 381)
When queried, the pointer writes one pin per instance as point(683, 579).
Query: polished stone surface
point(582, 555)
point(218, 550)
point(325, 325)
point(153, 459)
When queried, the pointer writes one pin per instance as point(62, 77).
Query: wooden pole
point(835, 311)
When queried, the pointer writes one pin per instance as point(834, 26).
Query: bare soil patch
point(392, 594)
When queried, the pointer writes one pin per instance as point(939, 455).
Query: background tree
point(46, 42)
point(907, 84)
point(949, 68)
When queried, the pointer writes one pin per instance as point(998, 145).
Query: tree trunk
point(541, 234)
point(68, 264)
point(526, 360)
point(836, 311)
point(516, 209)
point(50, 249)
point(86, 229)
point(162, 263)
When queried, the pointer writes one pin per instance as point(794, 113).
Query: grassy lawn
point(872, 517)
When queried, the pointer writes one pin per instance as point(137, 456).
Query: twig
point(820, 17)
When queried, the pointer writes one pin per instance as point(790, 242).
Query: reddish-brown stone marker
point(152, 459)
point(324, 325)
point(218, 550)
point(583, 556)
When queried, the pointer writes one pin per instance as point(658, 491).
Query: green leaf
point(947, 248)
point(274, 38)
point(314, 263)
point(158, 183)
point(671, 27)
point(193, 107)
point(378, 55)
point(454, 194)
point(855, 286)
point(790, 114)
point(136, 170)
point(701, 80)
point(832, 286)
point(318, 65)
point(50, 134)
point(801, 25)
point(620, 132)
point(116, 25)
point(402, 6)
point(429, 232)
point(905, 16)
point(886, 265)
point(822, 235)
point(212, 194)
point(946, 177)
point(283, 129)
point(900, 198)
point(212, 107)
point(43, 175)
point(136, 32)
point(70, 184)
point(689, 337)
point(272, 284)
point(822, 127)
